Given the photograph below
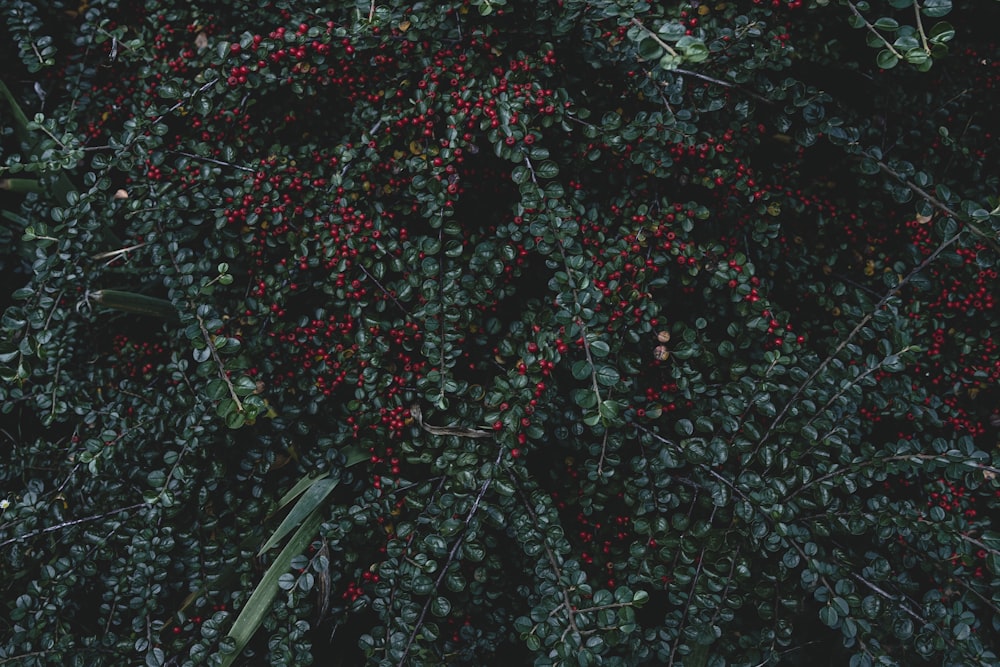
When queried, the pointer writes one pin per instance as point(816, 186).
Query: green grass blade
point(14, 217)
point(20, 120)
point(21, 185)
point(259, 604)
point(299, 489)
point(354, 454)
point(63, 186)
point(135, 303)
point(307, 504)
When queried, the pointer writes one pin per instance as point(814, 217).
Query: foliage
point(419, 333)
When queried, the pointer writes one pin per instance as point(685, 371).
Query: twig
point(694, 583)
point(418, 416)
point(112, 255)
point(725, 84)
point(875, 32)
point(854, 332)
point(570, 614)
point(385, 291)
point(218, 362)
point(451, 557)
point(933, 201)
point(920, 28)
point(666, 47)
point(181, 102)
point(67, 524)
point(214, 161)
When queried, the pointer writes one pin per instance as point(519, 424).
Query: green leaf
point(917, 57)
point(354, 454)
point(168, 91)
point(840, 604)
point(893, 363)
point(585, 398)
point(886, 59)
point(259, 604)
point(672, 31)
point(299, 488)
point(547, 169)
point(935, 8)
point(216, 389)
point(441, 606)
point(581, 369)
point(941, 32)
point(607, 375)
point(609, 410)
point(649, 49)
point(599, 348)
point(309, 502)
point(131, 302)
point(829, 616)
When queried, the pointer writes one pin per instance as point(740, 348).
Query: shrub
point(420, 333)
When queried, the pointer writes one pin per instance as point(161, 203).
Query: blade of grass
point(354, 456)
point(63, 187)
point(14, 217)
point(259, 604)
point(299, 488)
point(310, 501)
point(21, 185)
point(130, 302)
point(20, 120)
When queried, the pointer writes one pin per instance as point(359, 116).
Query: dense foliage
point(566, 332)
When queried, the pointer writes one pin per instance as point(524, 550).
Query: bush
point(567, 332)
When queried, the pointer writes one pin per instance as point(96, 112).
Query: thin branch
point(112, 255)
point(725, 84)
point(25, 656)
point(67, 524)
point(184, 100)
point(385, 291)
point(604, 452)
point(875, 32)
point(451, 557)
point(218, 362)
point(553, 563)
point(854, 332)
point(694, 583)
point(666, 47)
point(898, 457)
point(920, 28)
point(221, 163)
point(933, 201)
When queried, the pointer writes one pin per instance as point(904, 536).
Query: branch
point(726, 84)
point(447, 563)
point(67, 524)
point(214, 161)
point(854, 332)
point(875, 32)
point(570, 614)
point(218, 362)
point(920, 28)
point(666, 47)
